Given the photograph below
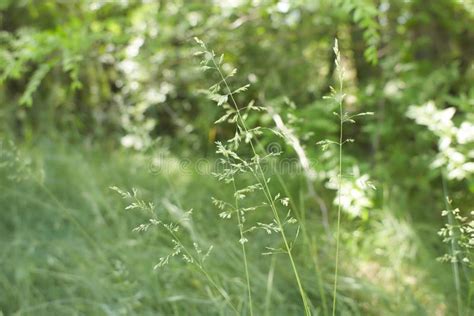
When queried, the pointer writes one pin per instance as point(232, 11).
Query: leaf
point(33, 84)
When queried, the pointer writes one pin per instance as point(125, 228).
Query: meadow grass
point(71, 249)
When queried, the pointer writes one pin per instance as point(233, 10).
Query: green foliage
point(365, 14)
point(97, 93)
point(33, 84)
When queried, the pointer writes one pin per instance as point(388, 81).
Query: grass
point(93, 263)
point(72, 250)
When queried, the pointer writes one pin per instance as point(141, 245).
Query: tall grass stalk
point(300, 216)
point(270, 199)
point(258, 171)
point(340, 98)
point(244, 251)
point(344, 117)
point(452, 244)
point(309, 176)
point(268, 195)
point(311, 243)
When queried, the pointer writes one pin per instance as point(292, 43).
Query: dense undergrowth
point(67, 247)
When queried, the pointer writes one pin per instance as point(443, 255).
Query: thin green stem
point(270, 199)
point(244, 252)
point(312, 245)
point(339, 195)
point(266, 188)
point(267, 194)
point(247, 275)
point(334, 299)
point(457, 279)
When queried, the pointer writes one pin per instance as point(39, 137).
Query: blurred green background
point(99, 93)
